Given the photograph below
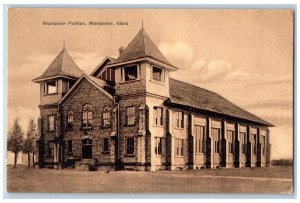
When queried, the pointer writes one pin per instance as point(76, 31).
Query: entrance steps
point(85, 165)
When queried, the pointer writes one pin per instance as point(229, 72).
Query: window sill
point(129, 155)
point(106, 152)
point(51, 94)
point(106, 127)
point(158, 155)
point(157, 82)
point(200, 153)
point(49, 156)
point(129, 125)
point(70, 129)
point(86, 128)
point(177, 128)
point(179, 156)
point(159, 126)
point(129, 81)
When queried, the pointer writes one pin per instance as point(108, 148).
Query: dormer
point(58, 78)
point(141, 67)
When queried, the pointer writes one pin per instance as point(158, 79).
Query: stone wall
point(83, 94)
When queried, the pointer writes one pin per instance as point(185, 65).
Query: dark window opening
point(70, 147)
point(130, 145)
point(50, 148)
point(105, 145)
point(131, 73)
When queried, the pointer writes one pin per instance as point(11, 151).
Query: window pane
point(105, 144)
point(157, 74)
point(131, 73)
point(51, 87)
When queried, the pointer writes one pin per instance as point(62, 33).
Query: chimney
point(121, 49)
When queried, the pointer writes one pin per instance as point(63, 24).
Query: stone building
point(129, 114)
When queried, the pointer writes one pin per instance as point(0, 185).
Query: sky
point(244, 55)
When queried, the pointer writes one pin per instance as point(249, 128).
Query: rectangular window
point(141, 119)
point(130, 115)
point(50, 87)
point(70, 147)
point(158, 146)
point(106, 119)
point(179, 147)
point(254, 144)
point(179, 119)
point(70, 118)
point(157, 74)
point(200, 138)
point(263, 144)
point(158, 116)
point(51, 123)
point(105, 145)
point(87, 119)
point(243, 142)
point(230, 139)
point(217, 139)
point(130, 145)
point(50, 148)
point(130, 73)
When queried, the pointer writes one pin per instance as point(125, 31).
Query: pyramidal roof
point(63, 65)
point(140, 47)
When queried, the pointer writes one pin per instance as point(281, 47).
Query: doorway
point(87, 148)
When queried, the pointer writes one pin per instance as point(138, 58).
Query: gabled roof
point(62, 66)
point(141, 47)
point(196, 97)
point(101, 66)
point(101, 85)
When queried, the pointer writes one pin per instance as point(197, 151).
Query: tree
point(28, 145)
point(15, 140)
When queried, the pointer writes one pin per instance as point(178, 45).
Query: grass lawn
point(259, 180)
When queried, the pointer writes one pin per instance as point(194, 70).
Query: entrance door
point(87, 149)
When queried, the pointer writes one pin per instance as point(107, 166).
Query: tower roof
point(140, 47)
point(62, 66)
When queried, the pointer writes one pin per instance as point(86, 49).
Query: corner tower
point(141, 77)
point(55, 82)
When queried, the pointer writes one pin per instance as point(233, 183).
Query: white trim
point(54, 77)
point(163, 80)
point(90, 81)
point(123, 73)
point(143, 59)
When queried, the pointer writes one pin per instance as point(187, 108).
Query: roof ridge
point(228, 108)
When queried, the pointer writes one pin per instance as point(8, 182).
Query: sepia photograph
point(150, 101)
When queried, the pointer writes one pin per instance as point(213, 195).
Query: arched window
point(87, 116)
point(106, 117)
point(70, 119)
